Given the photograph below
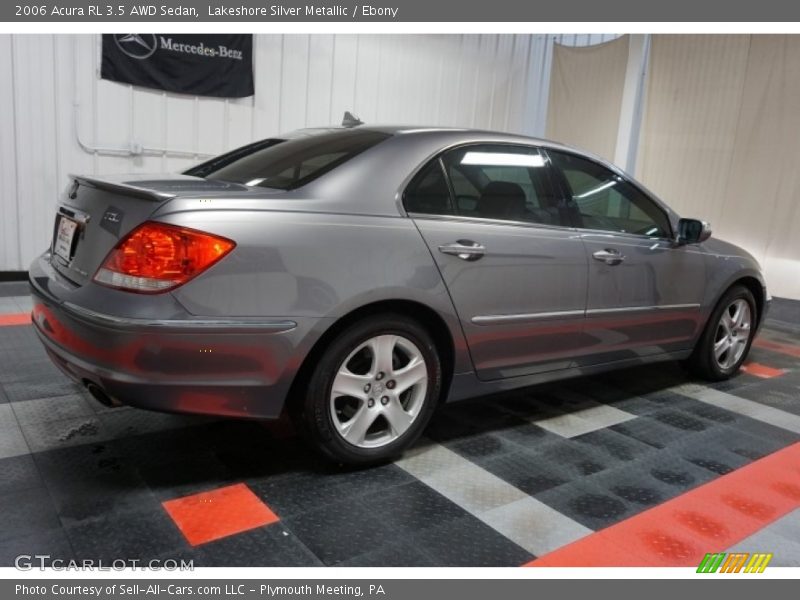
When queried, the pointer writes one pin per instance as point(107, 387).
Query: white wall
point(55, 94)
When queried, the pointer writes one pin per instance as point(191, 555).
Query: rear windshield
point(288, 164)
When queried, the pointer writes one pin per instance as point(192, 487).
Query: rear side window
point(428, 192)
point(295, 162)
point(503, 182)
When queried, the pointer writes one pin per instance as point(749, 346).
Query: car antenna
point(350, 120)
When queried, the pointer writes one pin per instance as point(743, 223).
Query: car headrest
point(501, 200)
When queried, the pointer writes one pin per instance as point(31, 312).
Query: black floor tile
point(482, 447)
point(588, 504)
point(139, 535)
point(27, 512)
point(528, 471)
point(675, 472)
point(52, 543)
point(651, 430)
point(573, 460)
point(410, 507)
point(467, 542)
point(526, 436)
point(637, 485)
point(205, 472)
point(309, 490)
point(614, 446)
point(397, 554)
point(18, 473)
point(778, 394)
point(341, 530)
point(270, 546)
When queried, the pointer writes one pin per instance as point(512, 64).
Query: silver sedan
point(357, 277)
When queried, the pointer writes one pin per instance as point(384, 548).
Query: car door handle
point(464, 249)
point(609, 256)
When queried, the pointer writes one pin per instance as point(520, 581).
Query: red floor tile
point(763, 371)
point(787, 349)
point(709, 518)
point(218, 513)
point(15, 319)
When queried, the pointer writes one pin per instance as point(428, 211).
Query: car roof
point(469, 134)
point(456, 135)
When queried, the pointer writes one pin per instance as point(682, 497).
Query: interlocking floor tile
point(527, 471)
point(273, 546)
point(533, 525)
point(410, 507)
point(340, 531)
point(398, 554)
point(26, 512)
point(50, 542)
point(590, 505)
point(306, 491)
point(49, 435)
point(18, 473)
point(56, 408)
point(488, 487)
point(12, 441)
point(218, 513)
point(134, 535)
point(468, 542)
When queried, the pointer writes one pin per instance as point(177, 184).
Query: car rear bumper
point(240, 367)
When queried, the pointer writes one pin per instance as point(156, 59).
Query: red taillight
point(156, 257)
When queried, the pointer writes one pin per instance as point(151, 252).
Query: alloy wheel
point(378, 391)
point(733, 333)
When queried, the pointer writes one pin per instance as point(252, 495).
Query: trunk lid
point(95, 213)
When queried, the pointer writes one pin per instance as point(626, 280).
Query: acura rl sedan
point(357, 277)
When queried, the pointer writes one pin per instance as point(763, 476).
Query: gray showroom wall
point(55, 98)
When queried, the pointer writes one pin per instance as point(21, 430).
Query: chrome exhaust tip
point(98, 394)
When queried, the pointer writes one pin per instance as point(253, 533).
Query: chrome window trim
point(639, 237)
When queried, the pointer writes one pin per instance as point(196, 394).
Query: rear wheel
point(373, 391)
point(726, 340)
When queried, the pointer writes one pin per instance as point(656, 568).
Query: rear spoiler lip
point(123, 188)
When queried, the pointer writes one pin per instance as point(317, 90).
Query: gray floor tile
point(56, 408)
point(12, 441)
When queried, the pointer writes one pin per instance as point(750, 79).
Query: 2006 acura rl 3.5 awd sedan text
point(356, 277)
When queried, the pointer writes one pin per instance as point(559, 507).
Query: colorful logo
point(734, 562)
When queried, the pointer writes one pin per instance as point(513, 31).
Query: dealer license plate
point(64, 238)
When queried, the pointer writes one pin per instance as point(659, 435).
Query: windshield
point(288, 164)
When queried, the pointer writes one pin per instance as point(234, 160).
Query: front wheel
point(373, 391)
point(726, 340)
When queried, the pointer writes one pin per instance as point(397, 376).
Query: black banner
point(201, 65)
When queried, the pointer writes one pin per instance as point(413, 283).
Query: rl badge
point(734, 562)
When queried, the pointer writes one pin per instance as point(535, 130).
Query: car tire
point(356, 384)
point(722, 333)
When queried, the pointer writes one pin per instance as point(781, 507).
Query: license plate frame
point(64, 242)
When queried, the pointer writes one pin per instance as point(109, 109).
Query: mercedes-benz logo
point(136, 45)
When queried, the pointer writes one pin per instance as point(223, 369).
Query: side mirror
point(692, 231)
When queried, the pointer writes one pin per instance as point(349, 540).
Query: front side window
point(502, 182)
point(291, 163)
point(601, 199)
